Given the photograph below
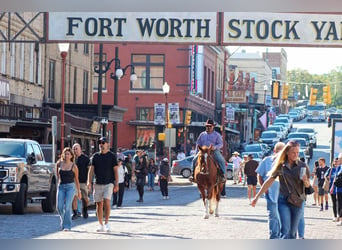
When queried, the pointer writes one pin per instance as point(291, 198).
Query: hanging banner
point(174, 113)
point(159, 114)
point(230, 113)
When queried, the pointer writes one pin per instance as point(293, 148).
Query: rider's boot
point(192, 178)
point(222, 177)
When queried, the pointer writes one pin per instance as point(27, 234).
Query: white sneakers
point(339, 223)
point(165, 197)
point(335, 219)
point(103, 228)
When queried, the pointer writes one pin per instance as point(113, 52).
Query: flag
point(263, 120)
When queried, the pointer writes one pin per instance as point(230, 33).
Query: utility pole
point(223, 114)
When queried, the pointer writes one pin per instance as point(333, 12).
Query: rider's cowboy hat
point(236, 153)
point(210, 123)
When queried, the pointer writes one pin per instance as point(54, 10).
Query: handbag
point(309, 190)
point(326, 183)
point(338, 181)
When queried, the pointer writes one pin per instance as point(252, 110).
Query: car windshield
point(281, 120)
point(268, 135)
point(253, 148)
point(278, 129)
point(12, 149)
point(305, 130)
point(298, 136)
point(316, 107)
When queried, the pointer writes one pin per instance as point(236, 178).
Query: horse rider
point(207, 138)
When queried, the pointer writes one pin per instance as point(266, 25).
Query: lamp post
point(265, 90)
point(116, 76)
point(247, 110)
point(63, 49)
point(166, 90)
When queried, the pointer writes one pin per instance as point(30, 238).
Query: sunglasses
point(102, 142)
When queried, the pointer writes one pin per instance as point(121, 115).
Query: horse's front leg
point(206, 205)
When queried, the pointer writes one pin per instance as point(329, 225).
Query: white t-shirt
point(121, 172)
point(236, 161)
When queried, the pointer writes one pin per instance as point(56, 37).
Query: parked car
point(263, 148)
point(303, 145)
point(270, 138)
point(295, 116)
point(295, 135)
point(280, 131)
point(312, 133)
point(184, 167)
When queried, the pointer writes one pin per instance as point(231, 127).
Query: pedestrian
point(193, 150)
point(82, 162)
point(151, 174)
point(332, 172)
point(140, 173)
point(242, 168)
point(164, 178)
point(118, 196)
point(180, 155)
point(315, 183)
point(68, 184)
point(128, 176)
point(250, 167)
point(210, 137)
point(320, 173)
point(105, 167)
point(287, 168)
point(338, 191)
point(236, 160)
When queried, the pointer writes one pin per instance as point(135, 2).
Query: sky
point(314, 60)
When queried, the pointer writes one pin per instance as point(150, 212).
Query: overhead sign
point(159, 114)
point(282, 28)
point(175, 27)
point(174, 113)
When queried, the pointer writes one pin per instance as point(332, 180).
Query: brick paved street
point(177, 218)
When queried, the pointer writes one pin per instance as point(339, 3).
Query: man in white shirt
point(236, 160)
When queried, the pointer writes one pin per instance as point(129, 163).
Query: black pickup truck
point(333, 116)
point(25, 175)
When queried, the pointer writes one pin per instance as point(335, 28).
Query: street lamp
point(116, 76)
point(166, 91)
point(247, 110)
point(265, 90)
point(63, 49)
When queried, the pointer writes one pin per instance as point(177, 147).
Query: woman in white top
point(118, 196)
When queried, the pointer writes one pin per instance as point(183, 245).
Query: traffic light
point(313, 96)
point(285, 92)
point(275, 90)
point(188, 117)
point(326, 94)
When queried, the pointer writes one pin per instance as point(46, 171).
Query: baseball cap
point(103, 139)
point(166, 160)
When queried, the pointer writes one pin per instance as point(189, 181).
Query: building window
point(145, 114)
point(212, 90)
point(76, 46)
point(150, 70)
point(22, 61)
point(12, 51)
point(85, 87)
point(96, 76)
point(3, 58)
point(86, 49)
point(52, 73)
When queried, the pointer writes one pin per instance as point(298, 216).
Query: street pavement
point(180, 217)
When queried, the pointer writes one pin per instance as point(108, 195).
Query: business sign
point(230, 113)
point(171, 27)
point(282, 28)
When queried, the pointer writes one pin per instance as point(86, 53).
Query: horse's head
point(203, 157)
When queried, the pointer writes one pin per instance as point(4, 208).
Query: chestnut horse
point(207, 178)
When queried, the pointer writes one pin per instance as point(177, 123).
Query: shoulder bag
point(293, 199)
point(327, 181)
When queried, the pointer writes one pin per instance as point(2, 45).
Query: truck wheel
point(20, 201)
point(49, 204)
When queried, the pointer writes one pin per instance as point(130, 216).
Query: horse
point(207, 178)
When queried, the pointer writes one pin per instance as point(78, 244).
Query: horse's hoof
point(206, 216)
point(211, 211)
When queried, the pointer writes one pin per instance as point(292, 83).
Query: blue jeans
point(218, 157)
point(301, 225)
point(150, 180)
point(65, 195)
point(273, 218)
point(289, 218)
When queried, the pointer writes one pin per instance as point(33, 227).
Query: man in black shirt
point(105, 166)
point(320, 171)
point(82, 162)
